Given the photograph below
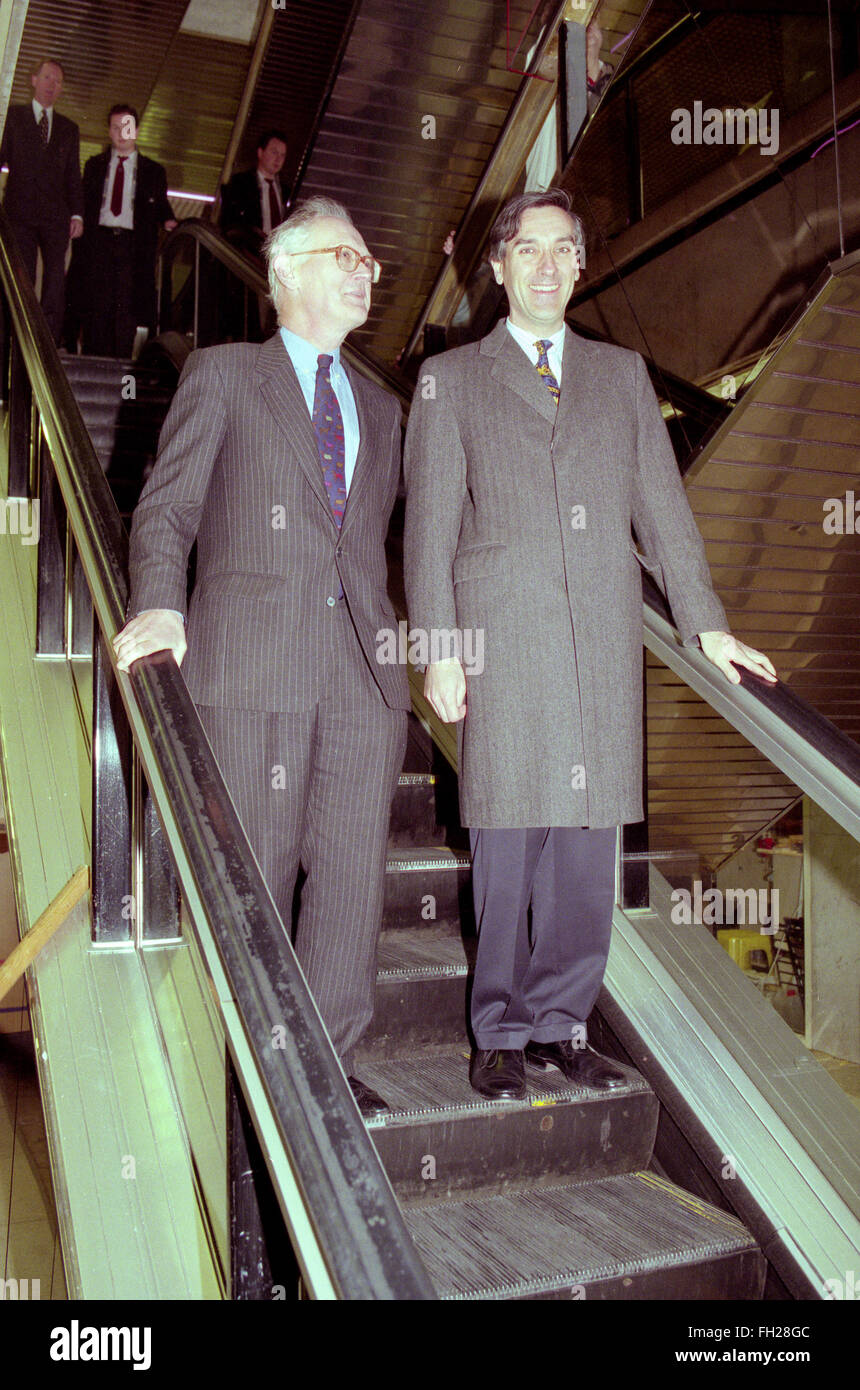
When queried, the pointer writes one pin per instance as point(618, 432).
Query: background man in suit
point(43, 198)
point(526, 466)
point(255, 201)
point(284, 465)
point(125, 205)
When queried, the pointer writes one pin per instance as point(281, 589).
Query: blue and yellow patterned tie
point(328, 423)
point(543, 346)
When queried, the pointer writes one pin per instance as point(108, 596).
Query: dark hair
point(34, 72)
point(268, 135)
point(507, 224)
point(121, 109)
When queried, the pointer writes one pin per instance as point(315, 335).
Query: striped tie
point(543, 346)
point(44, 127)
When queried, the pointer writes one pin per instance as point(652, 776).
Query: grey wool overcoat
point(518, 526)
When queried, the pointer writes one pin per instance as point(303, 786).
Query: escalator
point(567, 1194)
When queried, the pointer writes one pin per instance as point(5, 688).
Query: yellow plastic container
point(739, 943)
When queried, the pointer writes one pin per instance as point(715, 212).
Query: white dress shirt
point(125, 217)
point(527, 343)
point(263, 185)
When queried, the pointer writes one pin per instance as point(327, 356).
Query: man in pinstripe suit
point(283, 465)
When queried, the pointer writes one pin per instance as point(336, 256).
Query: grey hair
point(507, 224)
point(292, 234)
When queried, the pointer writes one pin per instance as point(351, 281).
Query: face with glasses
point(326, 283)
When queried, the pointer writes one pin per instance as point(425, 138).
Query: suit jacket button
point(331, 601)
point(339, 551)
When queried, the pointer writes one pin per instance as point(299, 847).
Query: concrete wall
point(832, 898)
point(728, 289)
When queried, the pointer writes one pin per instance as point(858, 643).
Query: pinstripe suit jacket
point(238, 470)
point(518, 525)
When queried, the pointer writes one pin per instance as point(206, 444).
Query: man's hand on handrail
point(153, 630)
point(726, 651)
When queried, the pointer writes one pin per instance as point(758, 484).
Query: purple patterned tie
point(328, 423)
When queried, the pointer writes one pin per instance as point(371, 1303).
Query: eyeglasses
point(348, 259)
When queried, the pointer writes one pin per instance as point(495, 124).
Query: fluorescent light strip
point(191, 197)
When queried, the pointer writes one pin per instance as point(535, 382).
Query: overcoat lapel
point(513, 370)
point(283, 395)
point(581, 391)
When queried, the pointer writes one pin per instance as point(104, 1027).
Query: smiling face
point(47, 84)
point(539, 268)
point(318, 300)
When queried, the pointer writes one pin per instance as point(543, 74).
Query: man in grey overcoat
point(529, 456)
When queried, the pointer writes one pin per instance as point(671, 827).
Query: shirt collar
point(304, 355)
point(38, 109)
point(527, 340)
point(116, 157)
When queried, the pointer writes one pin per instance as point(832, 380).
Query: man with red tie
point(256, 201)
point(125, 205)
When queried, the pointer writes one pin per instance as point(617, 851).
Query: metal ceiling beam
point(12, 16)
point(534, 100)
point(265, 20)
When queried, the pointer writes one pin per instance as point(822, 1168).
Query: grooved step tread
point(420, 952)
point(535, 1241)
point(420, 859)
point(437, 1087)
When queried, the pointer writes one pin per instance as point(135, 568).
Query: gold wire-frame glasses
point(348, 259)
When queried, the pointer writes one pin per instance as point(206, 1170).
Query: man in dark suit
point(255, 201)
point(527, 464)
point(43, 198)
point(125, 207)
point(283, 465)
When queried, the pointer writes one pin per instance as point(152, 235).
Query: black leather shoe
point(498, 1073)
point(580, 1064)
point(368, 1102)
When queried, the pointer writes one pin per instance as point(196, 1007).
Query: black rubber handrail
point(801, 718)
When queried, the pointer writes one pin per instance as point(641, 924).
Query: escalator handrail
point(351, 1239)
point(817, 756)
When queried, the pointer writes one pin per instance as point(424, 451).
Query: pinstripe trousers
point(315, 788)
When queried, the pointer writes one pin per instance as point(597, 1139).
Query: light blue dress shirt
point(303, 356)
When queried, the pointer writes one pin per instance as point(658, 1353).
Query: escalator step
point(558, 1132)
point(427, 884)
point(634, 1236)
point(426, 953)
point(413, 811)
point(420, 990)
